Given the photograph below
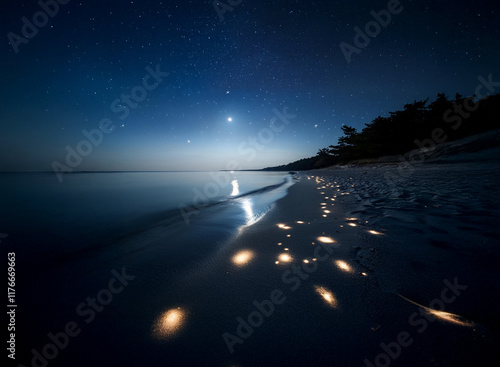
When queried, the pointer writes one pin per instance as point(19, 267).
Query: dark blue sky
point(262, 57)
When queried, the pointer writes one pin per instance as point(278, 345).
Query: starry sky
point(224, 76)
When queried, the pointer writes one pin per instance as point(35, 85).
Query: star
point(229, 119)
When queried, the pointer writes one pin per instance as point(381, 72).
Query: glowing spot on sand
point(276, 262)
point(351, 219)
point(374, 232)
point(243, 257)
point(352, 224)
point(327, 295)
point(286, 248)
point(279, 243)
point(283, 226)
point(364, 274)
point(170, 322)
point(342, 265)
point(451, 317)
point(326, 211)
point(442, 315)
point(325, 239)
point(286, 258)
point(299, 222)
point(322, 204)
point(324, 215)
point(306, 261)
point(289, 235)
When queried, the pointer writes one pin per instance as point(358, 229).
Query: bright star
point(229, 119)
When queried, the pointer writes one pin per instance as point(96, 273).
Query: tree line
point(403, 130)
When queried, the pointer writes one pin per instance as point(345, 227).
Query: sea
point(72, 238)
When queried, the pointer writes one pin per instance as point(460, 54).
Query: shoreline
point(367, 284)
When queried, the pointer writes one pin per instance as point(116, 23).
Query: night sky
point(228, 74)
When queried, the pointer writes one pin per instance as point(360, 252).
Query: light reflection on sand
point(374, 232)
point(283, 226)
point(327, 296)
point(442, 315)
point(170, 322)
point(342, 265)
point(286, 258)
point(325, 239)
point(243, 257)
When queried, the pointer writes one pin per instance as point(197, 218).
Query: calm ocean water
point(91, 208)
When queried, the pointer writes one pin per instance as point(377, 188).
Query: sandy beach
point(311, 282)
